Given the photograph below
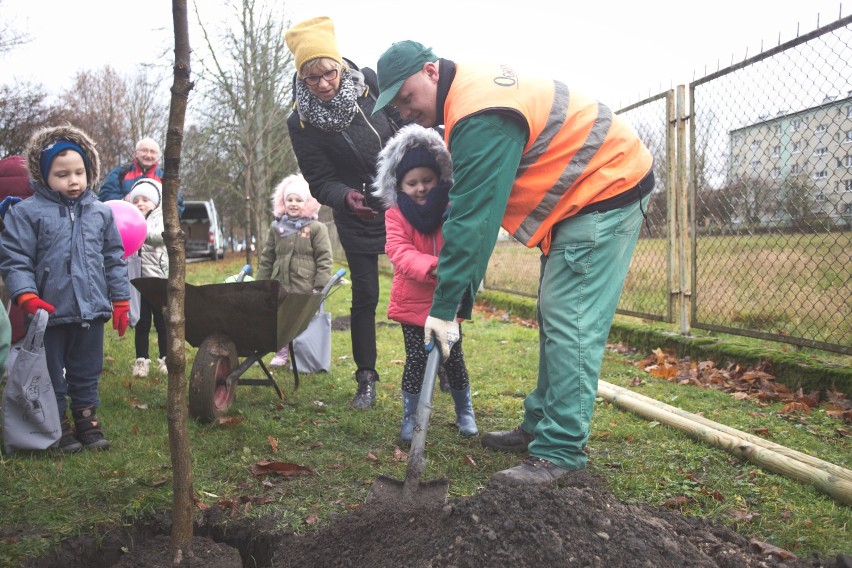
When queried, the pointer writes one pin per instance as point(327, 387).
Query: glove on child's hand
point(120, 316)
point(31, 303)
point(355, 202)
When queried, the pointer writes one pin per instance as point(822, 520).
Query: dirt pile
point(578, 523)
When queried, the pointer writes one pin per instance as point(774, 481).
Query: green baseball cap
point(401, 60)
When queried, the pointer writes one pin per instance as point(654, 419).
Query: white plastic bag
point(312, 347)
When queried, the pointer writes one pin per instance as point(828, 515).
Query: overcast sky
point(619, 51)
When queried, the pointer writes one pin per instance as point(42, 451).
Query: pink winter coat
point(413, 255)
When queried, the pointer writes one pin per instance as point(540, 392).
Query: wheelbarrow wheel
point(210, 395)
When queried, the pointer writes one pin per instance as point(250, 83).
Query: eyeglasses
point(313, 80)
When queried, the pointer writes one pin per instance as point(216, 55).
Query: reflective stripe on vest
point(578, 151)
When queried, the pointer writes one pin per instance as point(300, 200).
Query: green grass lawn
point(45, 497)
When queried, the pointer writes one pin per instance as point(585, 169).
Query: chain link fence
point(751, 215)
point(771, 173)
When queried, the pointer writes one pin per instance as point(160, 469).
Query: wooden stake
point(838, 487)
point(812, 461)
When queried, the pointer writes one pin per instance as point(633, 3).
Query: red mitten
point(31, 303)
point(355, 202)
point(120, 316)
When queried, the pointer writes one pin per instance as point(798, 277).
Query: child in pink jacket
point(414, 176)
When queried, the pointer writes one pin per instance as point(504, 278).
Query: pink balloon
point(131, 225)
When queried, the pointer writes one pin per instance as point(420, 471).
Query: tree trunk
point(182, 501)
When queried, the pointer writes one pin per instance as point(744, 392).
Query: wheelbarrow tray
point(258, 316)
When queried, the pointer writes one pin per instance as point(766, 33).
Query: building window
point(776, 151)
point(848, 136)
point(738, 139)
point(845, 162)
point(795, 147)
point(820, 198)
point(820, 151)
point(795, 125)
point(849, 111)
point(755, 164)
point(796, 169)
point(821, 128)
point(776, 173)
point(755, 145)
point(846, 185)
point(821, 174)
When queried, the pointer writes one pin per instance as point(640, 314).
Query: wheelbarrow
point(228, 321)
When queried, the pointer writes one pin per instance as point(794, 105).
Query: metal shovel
point(413, 491)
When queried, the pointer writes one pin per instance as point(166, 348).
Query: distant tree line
point(236, 146)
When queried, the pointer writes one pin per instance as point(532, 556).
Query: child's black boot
point(89, 431)
point(68, 443)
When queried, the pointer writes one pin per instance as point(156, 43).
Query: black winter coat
point(333, 163)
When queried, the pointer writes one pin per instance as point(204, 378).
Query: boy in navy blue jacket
point(62, 252)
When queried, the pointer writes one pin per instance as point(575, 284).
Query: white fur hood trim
point(385, 184)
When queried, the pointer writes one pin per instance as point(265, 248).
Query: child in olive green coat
point(297, 252)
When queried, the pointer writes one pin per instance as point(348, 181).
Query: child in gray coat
point(61, 251)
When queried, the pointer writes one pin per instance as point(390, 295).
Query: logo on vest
point(507, 78)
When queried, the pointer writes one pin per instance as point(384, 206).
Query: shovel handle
point(416, 458)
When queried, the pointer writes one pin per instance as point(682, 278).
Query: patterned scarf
point(286, 226)
point(428, 217)
point(335, 115)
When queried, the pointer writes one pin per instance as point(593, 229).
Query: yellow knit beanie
point(312, 39)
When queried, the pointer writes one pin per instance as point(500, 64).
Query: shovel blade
point(419, 493)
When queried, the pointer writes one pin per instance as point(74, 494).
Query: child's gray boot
point(464, 412)
point(409, 409)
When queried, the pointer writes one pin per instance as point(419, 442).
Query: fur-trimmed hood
point(45, 136)
point(385, 185)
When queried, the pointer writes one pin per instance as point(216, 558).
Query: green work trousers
point(580, 282)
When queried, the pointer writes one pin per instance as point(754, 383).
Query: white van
point(200, 224)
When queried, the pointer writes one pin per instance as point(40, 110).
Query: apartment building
point(794, 162)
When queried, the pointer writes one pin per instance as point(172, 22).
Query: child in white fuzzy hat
point(297, 252)
point(146, 195)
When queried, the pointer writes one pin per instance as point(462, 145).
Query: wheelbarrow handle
point(335, 278)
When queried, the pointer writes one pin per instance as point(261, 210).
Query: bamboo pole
point(812, 461)
point(838, 487)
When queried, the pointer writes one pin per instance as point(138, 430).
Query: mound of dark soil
point(577, 523)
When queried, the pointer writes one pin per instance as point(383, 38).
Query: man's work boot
point(515, 441)
point(366, 392)
point(533, 471)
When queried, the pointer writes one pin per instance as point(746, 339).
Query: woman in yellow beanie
point(337, 139)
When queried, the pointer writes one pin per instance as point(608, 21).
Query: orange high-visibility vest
point(578, 152)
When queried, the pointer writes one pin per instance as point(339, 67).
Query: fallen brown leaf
point(229, 420)
point(676, 502)
point(279, 468)
point(399, 455)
